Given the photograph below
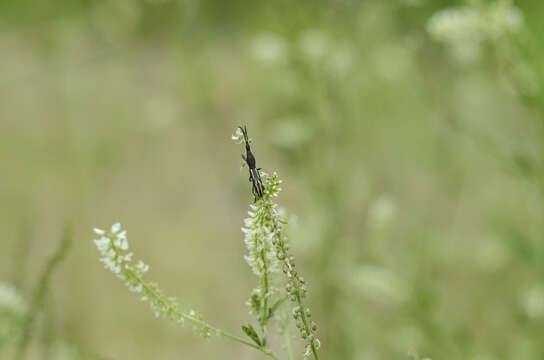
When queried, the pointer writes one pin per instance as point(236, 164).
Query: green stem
point(171, 306)
point(265, 310)
point(304, 321)
point(183, 315)
point(40, 291)
point(288, 345)
point(298, 297)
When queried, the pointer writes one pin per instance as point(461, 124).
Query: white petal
point(99, 231)
point(115, 227)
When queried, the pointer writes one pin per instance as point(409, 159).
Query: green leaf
point(250, 331)
point(275, 307)
point(255, 303)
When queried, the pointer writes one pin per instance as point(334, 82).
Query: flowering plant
point(267, 256)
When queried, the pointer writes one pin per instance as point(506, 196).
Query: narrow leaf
point(275, 307)
point(250, 331)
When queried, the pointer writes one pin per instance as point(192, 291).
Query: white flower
point(121, 243)
point(115, 227)
point(463, 29)
point(118, 260)
point(142, 267)
point(102, 244)
point(454, 24)
point(99, 231)
point(135, 288)
point(260, 229)
point(238, 136)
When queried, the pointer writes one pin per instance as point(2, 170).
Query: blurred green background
point(413, 172)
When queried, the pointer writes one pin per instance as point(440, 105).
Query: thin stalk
point(185, 316)
point(172, 307)
point(304, 321)
point(265, 310)
point(297, 285)
point(40, 292)
point(288, 345)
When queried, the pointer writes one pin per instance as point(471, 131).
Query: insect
point(257, 187)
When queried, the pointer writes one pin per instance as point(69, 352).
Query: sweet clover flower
point(464, 29)
point(267, 257)
point(296, 285)
point(113, 246)
point(238, 136)
point(268, 248)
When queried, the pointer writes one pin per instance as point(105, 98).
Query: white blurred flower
point(456, 24)
point(532, 301)
point(269, 48)
point(502, 18)
point(465, 28)
point(460, 29)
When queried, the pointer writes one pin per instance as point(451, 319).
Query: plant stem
point(303, 317)
point(173, 307)
point(288, 345)
point(265, 310)
point(296, 284)
point(40, 291)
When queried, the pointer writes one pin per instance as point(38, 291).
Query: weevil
point(257, 187)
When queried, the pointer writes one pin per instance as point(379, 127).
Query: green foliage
point(414, 176)
point(250, 331)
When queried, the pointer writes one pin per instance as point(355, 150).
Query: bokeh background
point(409, 135)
